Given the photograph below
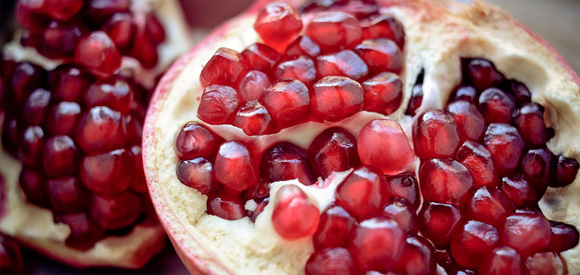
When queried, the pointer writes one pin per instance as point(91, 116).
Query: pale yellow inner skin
point(438, 34)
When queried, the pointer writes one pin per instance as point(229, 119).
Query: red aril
point(331, 261)
point(84, 231)
point(529, 120)
point(34, 187)
point(473, 241)
point(301, 68)
point(254, 119)
point(544, 263)
point(482, 73)
point(278, 24)
point(502, 260)
point(225, 205)
point(67, 195)
point(444, 181)
point(334, 228)
point(294, 216)
point(363, 193)
point(224, 68)
point(435, 134)
point(488, 205)
point(253, 85)
point(31, 148)
point(404, 213)
point(380, 55)
point(303, 45)
point(36, 107)
point(115, 93)
point(536, 168)
point(383, 93)
point(465, 93)
point(520, 92)
point(195, 140)
point(469, 120)
point(260, 57)
point(60, 156)
point(218, 105)
point(334, 30)
point(197, 173)
point(505, 145)
point(97, 52)
point(566, 171)
point(115, 212)
point(527, 233)
point(564, 237)
point(108, 174)
point(418, 257)
point(100, 130)
point(68, 82)
point(62, 9)
point(60, 39)
point(335, 150)
point(234, 166)
point(286, 161)
point(404, 186)
point(343, 63)
point(288, 102)
point(335, 98)
point(478, 161)
point(437, 222)
point(120, 29)
point(519, 191)
point(496, 106)
point(384, 26)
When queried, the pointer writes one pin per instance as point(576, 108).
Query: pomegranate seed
point(496, 106)
point(25, 78)
point(98, 53)
point(482, 74)
point(84, 232)
point(435, 134)
point(99, 10)
point(478, 161)
point(520, 92)
point(63, 117)
point(115, 212)
point(383, 93)
point(418, 257)
point(333, 150)
point(444, 180)
point(384, 26)
point(505, 145)
point(527, 233)
point(260, 57)
point(28, 14)
point(60, 156)
point(254, 119)
point(218, 105)
point(69, 82)
point(519, 191)
point(380, 55)
point(144, 48)
point(286, 161)
point(529, 120)
point(465, 93)
point(303, 45)
point(564, 237)
point(258, 192)
point(334, 31)
point(109, 173)
point(226, 206)
point(544, 263)
point(288, 102)
point(36, 106)
point(62, 9)
point(100, 130)
point(114, 93)
point(60, 39)
point(194, 140)
point(416, 99)
point(31, 147)
point(31, 39)
point(224, 68)
point(67, 195)
point(383, 144)
point(488, 205)
point(535, 167)
point(294, 216)
point(404, 213)
point(336, 98)
point(253, 215)
point(234, 166)
point(34, 186)
point(443, 258)
point(404, 186)
point(154, 28)
point(133, 129)
point(343, 63)
point(139, 184)
point(566, 170)
point(197, 173)
point(11, 137)
point(278, 24)
point(437, 222)
point(473, 241)
point(120, 29)
point(334, 228)
point(363, 193)
point(253, 85)
point(335, 260)
point(301, 68)
point(469, 120)
point(377, 244)
point(502, 260)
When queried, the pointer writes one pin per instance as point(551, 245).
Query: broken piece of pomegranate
point(368, 137)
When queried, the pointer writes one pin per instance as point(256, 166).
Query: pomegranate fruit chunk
point(380, 55)
point(195, 140)
point(278, 24)
point(333, 150)
point(286, 161)
point(224, 68)
point(488, 205)
point(435, 135)
point(334, 30)
point(218, 104)
point(331, 261)
point(197, 173)
point(418, 257)
point(478, 161)
point(335, 98)
point(473, 241)
point(97, 52)
point(444, 180)
point(527, 233)
point(383, 93)
point(437, 221)
point(234, 166)
point(254, 119)
point(288, 102)
point(294, 216)
point(334, 228)
point(496, 106)
point(502, 260)
point(363, 193)
point(505, 145)
point(383, 144)
point(544, 263)
point(343, 63)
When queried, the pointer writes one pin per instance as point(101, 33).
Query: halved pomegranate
point(71, 117)
point(368, 137)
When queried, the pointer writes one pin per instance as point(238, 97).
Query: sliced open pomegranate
point(368, 137)
point(71, 119)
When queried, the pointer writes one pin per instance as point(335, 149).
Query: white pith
point(438, 33)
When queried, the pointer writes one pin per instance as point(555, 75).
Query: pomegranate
point(71, 118)
point(368, 137)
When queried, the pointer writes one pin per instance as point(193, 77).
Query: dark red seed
point(84, 231)
point(444, 181)
point(435, 134)
point(334, 228)
point(31, 39)
point(482, 74)
point(115, 212)
point(108, 174)
point(97, 52)
point(226, 206)
point(100, 130)
point(154, 28)
point(258, 192)
point(363, 193)
point(63, 117)
point(520, 92)
point(333, 150)
point(197, 173)
point(224, 68)
point(195, 140)
point(545, 263)
point(488, 205)
point(529, 120)
point(69, 82)
point(67, 195)
point(334, 30)
point(404, 186)
point(115, 93)
point(288, 102)
point(34, 187)
point(477, 159)
point(36, 107)
point(301, 68)
point(120, 29)
point(278, 24)
point(234, 166)
point(380, 55)
point(519, 191)
point(143, 47)
point(466, 93)
point(294, 215)
point(404, 213)
point(60, 39)
point(254, 119)
point(331, 261)
point(260, 57)
point(25, 79)
point(496, 106)
point(253, 215)
point(505, 145)
point(384, 26)
point(253, 85)
point(62, 9)
point(286, 161)
point(139, 184)
point(564, 237)
point(437, 221)
point(418, 257)
point(218, 105)
point(31, 147)
point(99, 10)
point(566, 170)
point(28, 14)
point(335, 98)
point(416, 100)
point(60, 156)
point(536, 168)
point(473, 241)
point(343, 63)
point(469, 120)
point(383, 93)
point(528, 233)
point(502, 260)
point(11, 137)
point(303, 45)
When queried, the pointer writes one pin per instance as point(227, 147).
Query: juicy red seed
point(377, 244)
point(465, 93)
point(100, 130)
point(566, 170)
point(294, 216)
point(334, 228)
point(564, 237)
point(278, 24)
point(363, 193)
point(62, 9)
point(443, 258)
point(437, 222)
point(27, 13)
point(404, 186)
point(154, 28)
point(68, 82)
point(60, 39)
point(98, 53)
point(218, 105)
point(416, 100)
point(253, 85)
point(535, 167)
point(260, 57)
point(384, 26)
point(343, 63)
point(482, 74)
point(333, 150)
point(60, 156)
point(144, 48)
point(488, 205)
point(301, 68)
point(334, 30)
point(544, 263)
point(435, 134)
point(109, 173)
point(196, 173)
point(234, 166)
point(226, 206)
point(31, 146)
point(502, 260)
point(36, 107)
point(34, 186)
point(11, 137)
point(404, 213)
point(473, 241)
point(224, 68)
point(115, 93)
point(496, 106)
point(519, 191)
point(382, 143)
point(335, 98)
point(418, 257)
point(527, 233)
point(477, 159)
point(288, 102)
point(444, 180)
point(258, 192)
point(359, 9)
point(380, 55)
point(195, 140)
point(303, 45)
point(99, 10)
point(520, 92)
point(383, 93)
point(335, 260)
point(31, 39)
point(469, 120)
point(67, 195)
point(115, 212)
point(529, 120)
point(25, 78)
point(84, 231)
point(139, 184)
point(253, 215)
point(286, 161)
point(120, 29)
point(505, 145)
point(254, 119)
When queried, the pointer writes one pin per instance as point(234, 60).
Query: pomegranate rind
point(461, 30)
